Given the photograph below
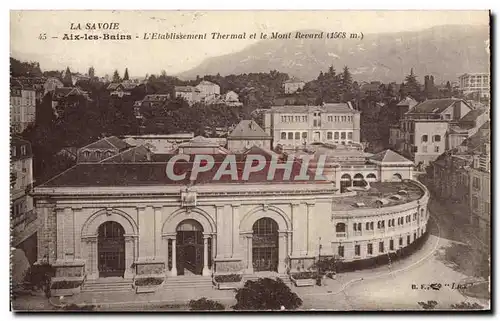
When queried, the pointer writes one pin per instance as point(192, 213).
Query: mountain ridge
point(442, 51)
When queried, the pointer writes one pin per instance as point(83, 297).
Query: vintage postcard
point(250, 160)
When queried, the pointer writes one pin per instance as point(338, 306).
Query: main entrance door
point(111, 249)
point(189, 247)
point(265, 245)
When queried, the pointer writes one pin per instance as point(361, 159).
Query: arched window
point(297, 135)
point(86, 154)
point(437, 138)
point(359, 180)
point(290, 135)
point(345, 181)
point(340, 228)
point(336, 135)
point(371, 177)
point(396, 177)
point(425, 138)
point(329, 135)
point(283, 135)
point(98, 154)
point(108, 154)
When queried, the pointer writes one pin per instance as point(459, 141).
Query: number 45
point(42, 36)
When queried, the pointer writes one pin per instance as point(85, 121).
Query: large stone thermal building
point(122, 216)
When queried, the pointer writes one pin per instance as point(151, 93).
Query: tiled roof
point(388, 156)
point(108, 142)
point(408, 101)
point(157, 97)
point(132, 155)
point(207, 83)
point(113, 85)
point(186, 89)
point(328, 108)
point(150, 174)
point(28, 82)
point(482, 136)
point(293, 80)
point(473, 115)
point(370, 87)
point(200, 141)
point(434, 106)
point(248, 129)
point(66, 91)
point(127, 85)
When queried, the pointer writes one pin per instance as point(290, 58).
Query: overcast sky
point(151, 56)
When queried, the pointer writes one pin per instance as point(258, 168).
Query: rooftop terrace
point(380, 190)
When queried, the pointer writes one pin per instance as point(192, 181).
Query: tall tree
point(116, 76)
point(346, 84)
point(412, 87)
point(68, 79)
point(125, 75)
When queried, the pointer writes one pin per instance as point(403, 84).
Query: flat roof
point(377, 191)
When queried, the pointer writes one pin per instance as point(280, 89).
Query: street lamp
point(318, 277)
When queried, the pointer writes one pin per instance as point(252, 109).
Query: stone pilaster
point(282, 253)
point(130, 256)
point(219, 219)
point(91, 264)
point(60, 248)
point(157, 232)
point(69, 234)
point(310, 240)
point(47, 233)
point(249, 252)
point(235, 243)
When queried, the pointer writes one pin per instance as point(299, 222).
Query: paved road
point(453, 258)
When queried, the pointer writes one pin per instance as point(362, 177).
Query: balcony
point(341, 234)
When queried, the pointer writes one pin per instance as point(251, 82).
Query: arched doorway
point(371, 178)
point(359, 180)
point(190, 248)
point(265, 245)
point(345, 181)
point(111, 249)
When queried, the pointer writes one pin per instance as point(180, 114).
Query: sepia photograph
point(213, 161)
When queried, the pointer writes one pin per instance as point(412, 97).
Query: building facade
point(21, 171)
point(293, 85)
point(475, 83)
point(422, 134)
point(135, 221)
point(296, 126)
point(480, 192)
point(23, 101)
point(246, 135)
point(208, 90)
point(452, 172)
point(188, 93)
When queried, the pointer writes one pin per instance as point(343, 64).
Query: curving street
point(450, 256)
